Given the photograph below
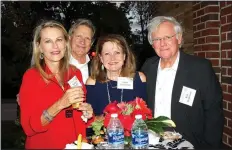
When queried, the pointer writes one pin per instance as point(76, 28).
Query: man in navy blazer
point(183, 87)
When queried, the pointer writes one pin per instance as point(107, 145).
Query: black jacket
point(89, 67)
point(201, 124)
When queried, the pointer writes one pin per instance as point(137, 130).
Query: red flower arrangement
point(126, 113)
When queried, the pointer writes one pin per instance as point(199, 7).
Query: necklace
point(107, 86)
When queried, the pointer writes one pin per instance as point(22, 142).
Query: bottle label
point(115, 138)
point(140, 139)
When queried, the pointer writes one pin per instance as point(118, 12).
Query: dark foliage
point(20, 18)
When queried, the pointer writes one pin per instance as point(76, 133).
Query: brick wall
point(226, 64)
point(208, 34)
point(212, 34)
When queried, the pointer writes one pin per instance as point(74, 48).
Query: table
point(155, 142)
point(165, 144)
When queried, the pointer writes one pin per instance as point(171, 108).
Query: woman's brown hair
point(128, 68)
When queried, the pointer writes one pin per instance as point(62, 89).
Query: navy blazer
point(202, 123)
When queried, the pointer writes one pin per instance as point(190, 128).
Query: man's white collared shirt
point(83, 67)
point(164, 85)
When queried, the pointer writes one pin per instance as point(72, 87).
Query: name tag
point(187, 96)
point(125, 83)
point(74, 82)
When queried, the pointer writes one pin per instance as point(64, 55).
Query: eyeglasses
point(166, 39)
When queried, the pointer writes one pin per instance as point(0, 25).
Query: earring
point(41, 56)
point(102, 67)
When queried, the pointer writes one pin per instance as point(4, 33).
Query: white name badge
point(187, 96)
point(125, 83)
point(74, 82)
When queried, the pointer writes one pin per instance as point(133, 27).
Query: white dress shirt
point(164, 85)
point(83, 67)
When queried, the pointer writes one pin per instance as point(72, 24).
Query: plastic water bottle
point(139, 133)
point(115, 133)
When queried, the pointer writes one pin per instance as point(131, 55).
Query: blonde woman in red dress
point(46, 113)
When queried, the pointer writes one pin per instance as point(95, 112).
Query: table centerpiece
point(126, 113)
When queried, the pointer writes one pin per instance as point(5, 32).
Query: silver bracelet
point(47, 116)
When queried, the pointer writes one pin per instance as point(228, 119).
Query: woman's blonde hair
point(128, 68)
point(40, 63)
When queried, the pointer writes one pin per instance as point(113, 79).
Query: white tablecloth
point(155, 142)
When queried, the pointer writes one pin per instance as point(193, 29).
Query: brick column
point(212, 33)
point(226, 64)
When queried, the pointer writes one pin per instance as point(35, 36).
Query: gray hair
point(155, 22)
point(84, 22)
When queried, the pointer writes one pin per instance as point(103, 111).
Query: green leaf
point(157, 124)
point(160, 118)
point(158, 130)
point(130, 109)
point(97, 126)
point(127, 140)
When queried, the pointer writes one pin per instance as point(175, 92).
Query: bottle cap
point(114, 115)
point(138, 116)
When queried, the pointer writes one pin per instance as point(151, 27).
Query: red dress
point(37, 95)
